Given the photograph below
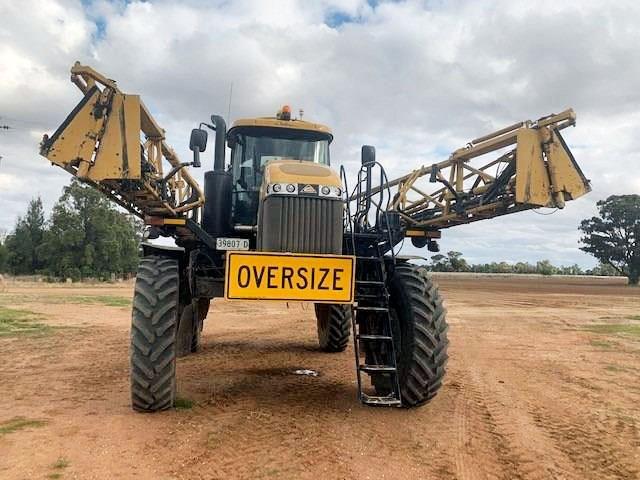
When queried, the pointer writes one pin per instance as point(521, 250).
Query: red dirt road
point(542, 384)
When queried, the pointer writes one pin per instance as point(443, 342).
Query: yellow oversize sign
point(288, 276)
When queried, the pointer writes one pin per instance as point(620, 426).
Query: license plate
point(223, 243)
point(286, 276)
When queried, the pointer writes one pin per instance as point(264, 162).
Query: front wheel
point(153, 334)
point(420, 336)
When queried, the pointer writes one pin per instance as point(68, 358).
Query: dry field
point(543, 384)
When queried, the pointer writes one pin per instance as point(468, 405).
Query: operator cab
point(258, 141)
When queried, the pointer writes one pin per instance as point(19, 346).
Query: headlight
point(330, 191)
point(281, 189)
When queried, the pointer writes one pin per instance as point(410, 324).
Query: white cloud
point(415, 78)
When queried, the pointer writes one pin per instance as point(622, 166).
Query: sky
point(417, 79)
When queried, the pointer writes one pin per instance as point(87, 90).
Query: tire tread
point(153, 334)
point(336, 338)
point(422, 368)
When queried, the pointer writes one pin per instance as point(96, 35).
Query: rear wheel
point(186, 332)
point(153, 334)
point(334, 326)
point(203, 310)
point(420, 336)
point(190, 327)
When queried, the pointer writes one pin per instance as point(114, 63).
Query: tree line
point(84, 237)
point(454, 262)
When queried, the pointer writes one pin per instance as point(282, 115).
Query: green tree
point(570, 270)
point(452, 262)
point(440, 263)
point(603, 270)
point(458, 264)
point(545, 267)
point(22, 245)
point(612, 237)
point(87, 237)
point(524, 267)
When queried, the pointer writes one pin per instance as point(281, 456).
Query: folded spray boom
point(111, 141)
point(538, 171)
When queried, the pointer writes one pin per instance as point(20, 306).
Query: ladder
point(372, 326)
point(373, 331)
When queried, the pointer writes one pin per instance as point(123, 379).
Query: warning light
point(285, 113)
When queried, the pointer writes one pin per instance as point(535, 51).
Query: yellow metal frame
point(104, 141)
point(545, 175)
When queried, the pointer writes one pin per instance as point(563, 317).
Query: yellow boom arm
point(111, 141)
point(536, 170)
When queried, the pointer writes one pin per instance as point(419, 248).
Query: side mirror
point(197, 144)
point(368, 155)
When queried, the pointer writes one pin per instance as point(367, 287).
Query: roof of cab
point(274, 122)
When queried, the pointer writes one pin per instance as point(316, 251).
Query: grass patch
point(20, 322)
point(615, 329)
point(183, 403)
point(61, 463)
point(272, 472)
point(615, 368)
point(601, 344)
point(54, 475)
point(19, 423)
point(634, 317)
point(107, 300)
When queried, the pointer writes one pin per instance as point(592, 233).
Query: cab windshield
point(253, 148)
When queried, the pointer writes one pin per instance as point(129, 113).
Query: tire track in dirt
point(465, 465)
point(589, 425)
point(523, 450)
point(588, 443)
point(479, 438)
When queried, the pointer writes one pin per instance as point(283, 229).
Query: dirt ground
point(542, 383)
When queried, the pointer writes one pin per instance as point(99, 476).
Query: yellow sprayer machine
point(276, 222)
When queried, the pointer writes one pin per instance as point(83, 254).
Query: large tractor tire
point(420, 333)
point(334, 326)
point(153, 334)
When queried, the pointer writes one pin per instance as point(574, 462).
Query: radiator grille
point(301, 225)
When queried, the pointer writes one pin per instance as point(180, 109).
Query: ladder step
point(374, 337)
point(377, 368)
point(371, 309)
point(366, 235)
point(371, 259)
point(369, 295)
point(381, 401)
point(369, 282)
